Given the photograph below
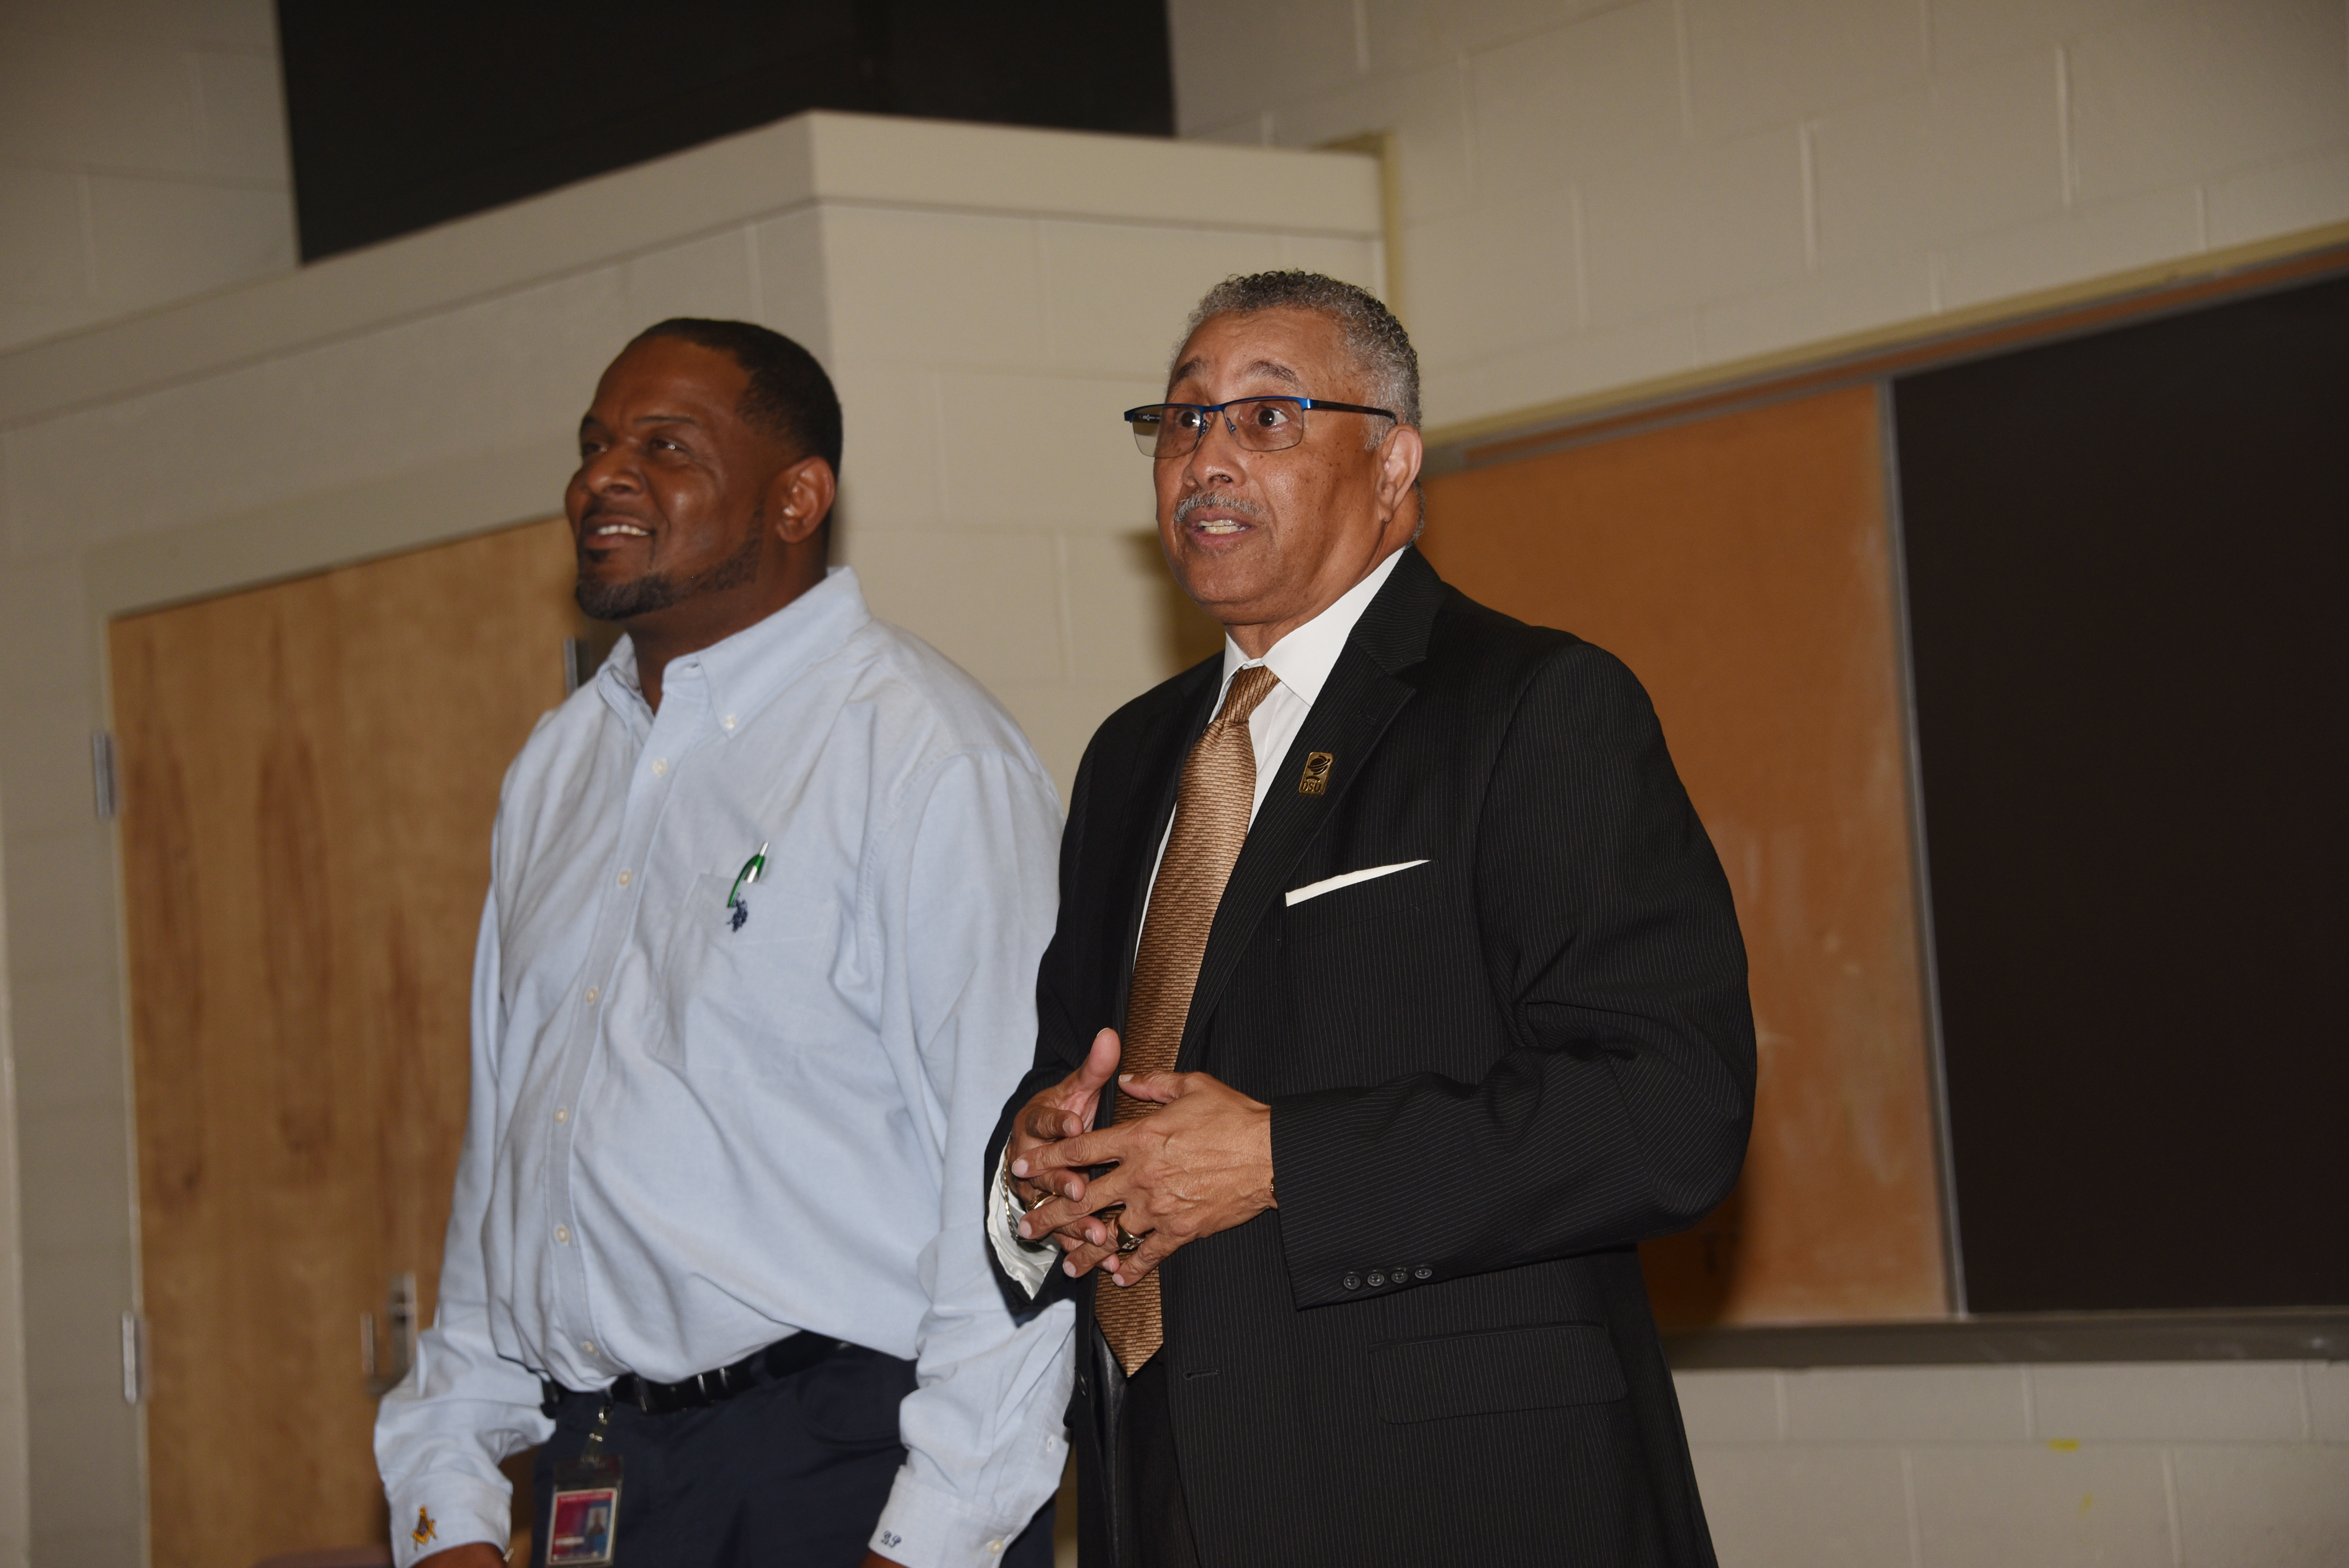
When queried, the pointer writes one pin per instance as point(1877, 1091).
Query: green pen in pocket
point(750, 872)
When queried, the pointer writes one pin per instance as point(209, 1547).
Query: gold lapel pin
point(1316, 780)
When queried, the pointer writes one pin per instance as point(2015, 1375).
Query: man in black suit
point(1424, 1000)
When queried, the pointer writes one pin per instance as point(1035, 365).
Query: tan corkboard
point(1740, 565)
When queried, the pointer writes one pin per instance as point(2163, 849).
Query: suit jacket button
point(1399, 1274)
point(1377, 1279)
point(1423, 1273)
point(1353, 1281)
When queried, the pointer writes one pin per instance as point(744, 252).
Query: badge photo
point(581, 1527)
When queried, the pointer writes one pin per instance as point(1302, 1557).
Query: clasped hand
point(1200, 1164)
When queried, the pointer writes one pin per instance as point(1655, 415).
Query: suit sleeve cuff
point(1327, 1230)
point(922, 1527)
point(1027, 1264)
point(440, 1511)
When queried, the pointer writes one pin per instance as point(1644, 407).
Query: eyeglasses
point(1260, 424)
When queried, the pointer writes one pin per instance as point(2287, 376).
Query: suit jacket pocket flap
point(1482, 1373)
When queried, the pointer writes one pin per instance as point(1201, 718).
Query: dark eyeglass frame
point(1135, 419)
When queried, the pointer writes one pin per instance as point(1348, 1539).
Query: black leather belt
point(760, 1367)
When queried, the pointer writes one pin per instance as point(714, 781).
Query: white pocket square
point(1332, 884)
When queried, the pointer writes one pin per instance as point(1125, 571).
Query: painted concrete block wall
point(992, 500)
point(2196, 1465)
point(142, 157)
point(987, 300)
point(1598, 192)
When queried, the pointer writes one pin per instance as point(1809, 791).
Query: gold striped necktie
point(1212, 807)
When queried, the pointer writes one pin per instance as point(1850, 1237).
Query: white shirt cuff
point(1029, 1263)
point(440, 1511)
point(924, 1528)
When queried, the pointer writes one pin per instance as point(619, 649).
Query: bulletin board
point(1741, 566)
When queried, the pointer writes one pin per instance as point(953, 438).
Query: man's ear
point(1399, 456)
point(800, 498)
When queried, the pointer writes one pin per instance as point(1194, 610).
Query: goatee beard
point(659, 590)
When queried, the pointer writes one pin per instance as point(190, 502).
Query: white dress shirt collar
point(1302, 661)
point(744, 672)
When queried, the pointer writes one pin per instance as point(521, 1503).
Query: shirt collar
point(742, 674)
point(1302, 661)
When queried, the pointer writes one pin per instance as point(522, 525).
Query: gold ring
point(1127, 1240)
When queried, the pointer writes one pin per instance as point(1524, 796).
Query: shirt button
point(727, 721)
point(592, 992)
point(1353, 1281)
point(660, 766)
point(625, 877)
point(561, 1113)
point(995, 1547)
point(588, 1345)
point(563, 1235)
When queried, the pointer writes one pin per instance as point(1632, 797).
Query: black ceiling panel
point(411, 115)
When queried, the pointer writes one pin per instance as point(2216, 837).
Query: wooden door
point(309, 772)
point(1741, 566)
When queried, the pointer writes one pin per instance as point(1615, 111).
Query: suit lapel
point(1357, 703)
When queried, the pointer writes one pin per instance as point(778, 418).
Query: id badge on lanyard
point(584, 1521)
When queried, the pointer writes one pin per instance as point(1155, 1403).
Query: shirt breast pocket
point(741, 991)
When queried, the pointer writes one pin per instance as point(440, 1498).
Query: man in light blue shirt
point(756, 973)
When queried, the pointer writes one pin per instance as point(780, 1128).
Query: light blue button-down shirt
point(689, 1137)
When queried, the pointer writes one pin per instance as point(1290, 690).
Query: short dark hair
point(1373, 335)
point(790, 397)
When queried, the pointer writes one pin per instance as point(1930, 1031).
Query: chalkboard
point(2127, 615)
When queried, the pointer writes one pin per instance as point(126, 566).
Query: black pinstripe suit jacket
point(1490, 1074)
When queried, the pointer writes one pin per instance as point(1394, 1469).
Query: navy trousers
point(793, 1473)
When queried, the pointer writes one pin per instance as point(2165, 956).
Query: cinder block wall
point(1596, 193)
point(992, 502)
point(142, 157)
point(2199, 1464)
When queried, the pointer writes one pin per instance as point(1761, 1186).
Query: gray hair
point(1374, 338)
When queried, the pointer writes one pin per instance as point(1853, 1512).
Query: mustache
point(1190, 503)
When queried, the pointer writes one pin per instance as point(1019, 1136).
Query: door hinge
point(134, 1357)
point(386, 1357)
point(101, 774)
